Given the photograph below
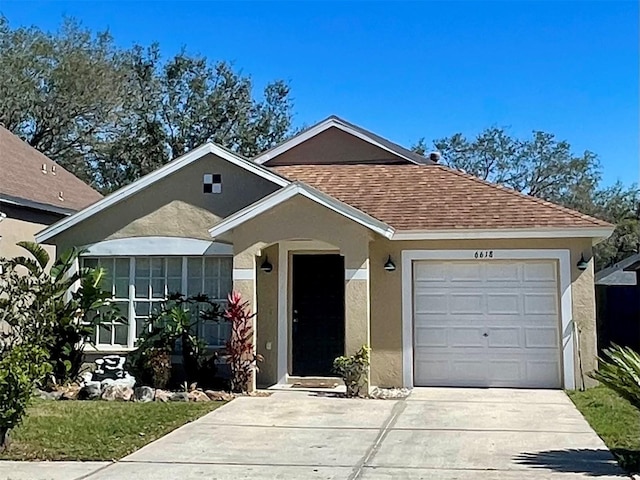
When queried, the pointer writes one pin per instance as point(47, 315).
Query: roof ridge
point(546, 203)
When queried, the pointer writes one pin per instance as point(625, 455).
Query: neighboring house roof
point(359, 132)
point(621, 273)
point(23, 181)
point(416, 198)
point(149, 179)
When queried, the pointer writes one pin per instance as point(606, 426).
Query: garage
point(486, 323)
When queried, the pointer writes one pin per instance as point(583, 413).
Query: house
point(34, 193)
point(340, 238)
point(618, 304)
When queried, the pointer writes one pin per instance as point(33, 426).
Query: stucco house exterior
point(340, 238)
point(34, 193)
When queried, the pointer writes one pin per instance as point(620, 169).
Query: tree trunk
point(4, 438)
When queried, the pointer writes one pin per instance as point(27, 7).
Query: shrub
point(620, 371)
point(22, 366)
point(243, 359)
point(44, 308)
point(353, 370)
point(171, 329)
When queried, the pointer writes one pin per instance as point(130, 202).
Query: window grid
point(140, 284)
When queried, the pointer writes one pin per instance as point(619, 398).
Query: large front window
point(138, 286)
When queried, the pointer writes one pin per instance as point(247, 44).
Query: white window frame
point(132, 320)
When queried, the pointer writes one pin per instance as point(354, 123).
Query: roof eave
point(596, 233)
point(45, 207)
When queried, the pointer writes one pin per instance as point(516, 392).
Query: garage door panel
point(505, 372)
point(503, 303)
point(504, 337)
point(501, 272)
point(541, 337)
point(487, 323)
point(433, 272)
point(431, 337)
point(466, 303)
point(431, 303)
point(465, 272)
point(539, 272)
point(466, 337)
point(540, 304)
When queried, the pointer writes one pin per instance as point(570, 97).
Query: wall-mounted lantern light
point(389, 266)
point(266, 266)
point(582, 263)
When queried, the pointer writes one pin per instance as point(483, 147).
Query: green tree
point(546, 167)
point(110, 114)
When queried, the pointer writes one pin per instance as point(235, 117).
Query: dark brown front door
point(318, 313)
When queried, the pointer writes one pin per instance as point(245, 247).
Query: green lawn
point(615, 420)
point(96, 430)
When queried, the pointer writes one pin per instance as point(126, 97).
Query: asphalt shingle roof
point(426, 197)
point(22, 177)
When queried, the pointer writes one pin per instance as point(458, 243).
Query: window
point(139, 285)
point(212, 183)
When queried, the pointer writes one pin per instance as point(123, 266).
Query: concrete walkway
point(442, 434)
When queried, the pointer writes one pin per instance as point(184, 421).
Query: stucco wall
point(334, 146)
point(22, 224)
point(386, 297)
point(302, 219)
point(267, 319)
point(174, 206)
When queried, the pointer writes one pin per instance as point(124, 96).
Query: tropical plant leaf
point(37, 252)
point(620, 371)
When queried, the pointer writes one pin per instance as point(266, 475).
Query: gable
point(334, 146)
point(175, 205)
point(336, 141)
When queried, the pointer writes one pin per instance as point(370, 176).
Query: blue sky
point(412, 70)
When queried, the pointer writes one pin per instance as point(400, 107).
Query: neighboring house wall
point(21, 224)
point(386, 298)
point(334, 146)
point(174, 206)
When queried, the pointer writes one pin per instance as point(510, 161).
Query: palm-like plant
point(620, 371)
point(57, 308)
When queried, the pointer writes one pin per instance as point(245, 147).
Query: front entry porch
point(317, 315)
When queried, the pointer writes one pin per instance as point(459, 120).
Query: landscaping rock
point(162, 395)
point(198, 396)
point(127, 381)
point(143, 394)
point(90, 391)
point(389, 393)
point(55, 395)
point(217, 396)
point(117, 392)
point(69, 392)
point(86, 378)
point(179, 397)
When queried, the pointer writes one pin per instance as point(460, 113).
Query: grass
point(96, 430)
point(615, 420)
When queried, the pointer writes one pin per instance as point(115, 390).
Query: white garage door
point(486, 323)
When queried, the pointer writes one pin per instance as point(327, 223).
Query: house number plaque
point(483, 254)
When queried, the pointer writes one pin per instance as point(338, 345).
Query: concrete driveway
point(435, 434)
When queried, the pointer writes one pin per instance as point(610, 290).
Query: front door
point(318, 313)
